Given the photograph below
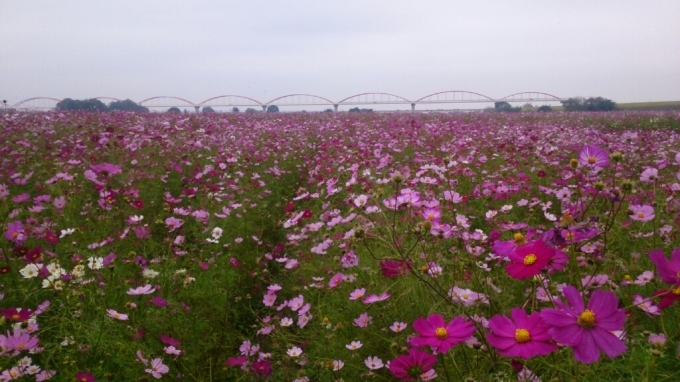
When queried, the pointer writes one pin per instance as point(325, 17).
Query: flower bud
point(573, 163)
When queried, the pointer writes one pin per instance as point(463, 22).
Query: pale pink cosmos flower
point(644, 278)
point(118, 316)
point(269, 299)
point(354, 345)
point(157, 368)
point(146, 289)
point(649, 175)
point(172, 350)
point(641, 213)
point(646, 305)
point(657, 339)
point(374, 363)
point(337, 365)
point(357, 294)
point(398, 327)
point(173, 223)
point(363, 320)
point(294, 351)
point(375, 298)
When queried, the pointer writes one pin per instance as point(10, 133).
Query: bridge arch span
point(373, 98)
point(28, 100)
point(300, 99)
point(164, 101)
point(230, 100)
point(455, 96)
point(531, 96)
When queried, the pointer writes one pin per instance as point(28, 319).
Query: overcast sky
point(623, 50)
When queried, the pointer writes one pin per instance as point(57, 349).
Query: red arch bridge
point(362, 99)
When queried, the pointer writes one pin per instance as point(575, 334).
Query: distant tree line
point(357, 110)
point(97, 105)
point(590, 104)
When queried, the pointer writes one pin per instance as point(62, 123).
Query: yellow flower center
point(522, 335)
point(592, 160)
point(16, 316)
point(627, 278)
point(440, 333)
point(21, 347)
point(570, 236)
point(15, 235)
point(519, 239)
point(641, 215)
point(676, 291)
point(530, 259)
point(586, 319)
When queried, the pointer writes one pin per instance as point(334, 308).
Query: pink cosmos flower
point(434, 331)
point(354, 345)
point(523, 336)
point(587, 329)
point(593, 157)
point(269, 299)
point(649, 175)
point(335, 280)
point(357, 294)
point(529, 260)
point(410, 367)
point(15, 232)
point(657, 339)
point(646, 305)
point(146, 289)
point(173, 223)
point(375, 298)
point(169, 340)
point(641, 213)
point(363, 320)
point(394, 268)
point(19, 341)
point(157, 368)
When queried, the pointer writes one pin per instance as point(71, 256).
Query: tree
point(272, 109)
point(545, 108)
point(174, 110)
point(506, 107)
point(127, 105)
point(250, 110)
point(590, 104)
point(235, 110)
point(208, 109)
point(357, 110)
point(328, 110)
point(75, 104)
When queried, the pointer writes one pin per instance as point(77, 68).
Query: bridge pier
point(197, 107)
point(413, 107)
point(335, 107)
point(264, 108)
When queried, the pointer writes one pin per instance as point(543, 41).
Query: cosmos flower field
point(334, 246)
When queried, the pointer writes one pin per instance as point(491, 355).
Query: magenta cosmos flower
point(523, 336)
point(594, 157)
point(410, 367)
point(529, 260)
point(669, 271)
point(435, 332)
point(587, 329)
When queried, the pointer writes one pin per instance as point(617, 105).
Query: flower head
point(522, 336)
point(434, 331)
point(157, 368)
point(410, 367)
point(529, 260)
point(587, 329)
point(669, 271)
point(593, 157)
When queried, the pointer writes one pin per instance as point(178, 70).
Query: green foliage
point(506, 107)
point(590, 104)
point(208, 109)
point(545, 108)
point(127, 105)
point(86, 105)
point(174, 110)
point(357, 110)
point(272, 109)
